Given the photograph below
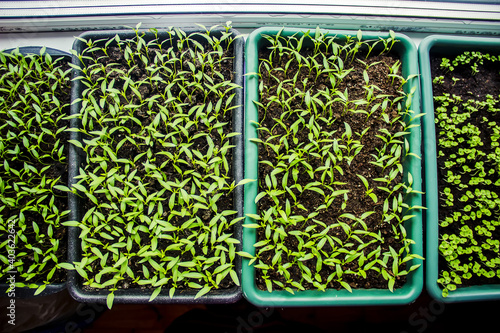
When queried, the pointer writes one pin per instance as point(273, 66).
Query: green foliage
point(156, 128)
point(468, 134)
point(318, 147)
point(469, 59)
point(34, 102)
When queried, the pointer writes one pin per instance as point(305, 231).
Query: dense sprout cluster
point(34, 101)
point(468, 132)
point(332, 142)
point(156, 122)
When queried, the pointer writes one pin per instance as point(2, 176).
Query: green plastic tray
point(436, 45)
point(413, 287)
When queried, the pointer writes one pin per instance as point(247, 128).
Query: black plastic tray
point(137, 295)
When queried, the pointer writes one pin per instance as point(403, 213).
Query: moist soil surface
point(475, 87)
point(56, 170)
point(358, 202)
point(115, 60)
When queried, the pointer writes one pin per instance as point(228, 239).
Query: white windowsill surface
point(55, 23)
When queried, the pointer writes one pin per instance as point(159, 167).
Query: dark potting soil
point(468, 86)
point(116, 61)
point(56, 170)
point(358, 203)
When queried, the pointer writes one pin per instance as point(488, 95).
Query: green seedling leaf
point(203, 291)
point(155, 294)
point(110, 299)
